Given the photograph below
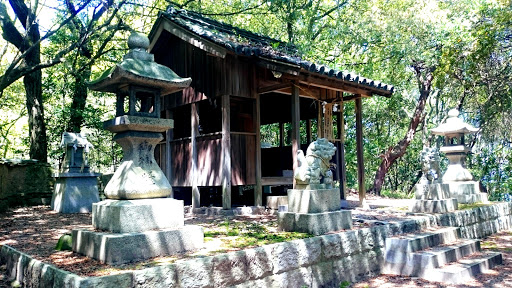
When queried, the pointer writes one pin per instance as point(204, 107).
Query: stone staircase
point(438, 255)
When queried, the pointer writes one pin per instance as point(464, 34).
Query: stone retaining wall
point(24, 182)
point(323, 261)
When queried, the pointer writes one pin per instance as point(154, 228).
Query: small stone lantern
point(455, 148)
point(138, 82)
point(138, 220)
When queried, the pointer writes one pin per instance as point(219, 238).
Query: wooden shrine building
point(241, 81)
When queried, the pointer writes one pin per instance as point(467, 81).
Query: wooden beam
point(194, 124)
point(193, 39)
point(295, 127)
point(273, 88)
point(226, 153)
point(169, 135)
point(360, 151)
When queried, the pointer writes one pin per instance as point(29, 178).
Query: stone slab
point(435, 206)
point(75, 193)
point(315, 223)
point(273, 202)
point(434, 191)
point(137, 123)
point(112, 248)
point(313, 201)
point(126, 216)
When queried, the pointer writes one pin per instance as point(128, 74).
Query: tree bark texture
point(35, 109)
point(424, 78)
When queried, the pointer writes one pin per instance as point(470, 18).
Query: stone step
point(399, 248)
point(464, 269)
point(423, 261)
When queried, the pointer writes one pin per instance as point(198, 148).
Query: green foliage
point(344, 284)
point(65, 243)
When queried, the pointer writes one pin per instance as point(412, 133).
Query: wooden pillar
point(342, 165)
point(196, 201)
point(360, 152)
point(258, 190)
point(226, 153)
point(319, 122)
point(169, 134)
point(308, 131)
point(281, 134)
point(295, 127)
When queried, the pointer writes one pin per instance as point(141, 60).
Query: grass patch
point(239, 235)
point(472, 206)
point(396, 194)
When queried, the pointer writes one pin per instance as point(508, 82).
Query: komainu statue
point(313, 170)
point(430, 159)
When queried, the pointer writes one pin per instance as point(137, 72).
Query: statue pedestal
point(75, 192)
point(433, 198)
point(315, 212)
point(137, 230)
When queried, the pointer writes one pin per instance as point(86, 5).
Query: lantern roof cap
point(454, 125)
point(139, 68)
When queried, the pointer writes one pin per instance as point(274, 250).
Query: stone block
point(127, 216)
point(313, 201)
point(435, 191)
point(259, 263)
point(315, 223)
point(435, 206)
point(75, 192)
point(160, 276)
point(284, 257)
point(230, 269)
point(195, 273)
point(274, 202)
point(117, 280)
point(129, 247)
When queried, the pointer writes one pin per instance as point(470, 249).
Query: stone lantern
point(455, 148)
point(139, 218)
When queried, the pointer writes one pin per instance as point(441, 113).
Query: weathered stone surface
point(75, 192)
point(161, 276)
point(435, 206)
point(195, 273)
point(315, 223)
point(259, 263)
point(137, 123)
point(138, 176)
point(274, 202)
point(126, 216)
point(117, 280)
point(284, 257)
point(313, 201)
point(323, 275)
point(435, 191)
point(230, 269)
point(128, 247)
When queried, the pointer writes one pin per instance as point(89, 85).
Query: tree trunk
point(35, 109)
point(79, 101)
point(424, 78)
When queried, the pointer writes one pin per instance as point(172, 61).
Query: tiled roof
point(243, 42)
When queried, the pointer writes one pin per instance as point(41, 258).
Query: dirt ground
point(36, 230)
